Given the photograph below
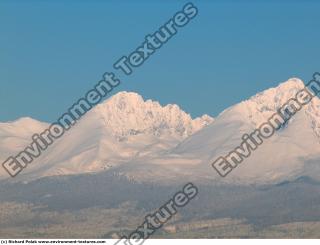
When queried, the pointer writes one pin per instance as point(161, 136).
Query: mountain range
point(146, 141)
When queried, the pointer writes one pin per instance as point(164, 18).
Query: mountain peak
point(261, 106)
point(285, 90)
point(127, 113)
point(291, 83)
point(129, 96)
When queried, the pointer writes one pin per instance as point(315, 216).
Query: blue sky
point(52, 52)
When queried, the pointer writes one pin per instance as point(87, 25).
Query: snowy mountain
point(149, 142)
point(127, 114)
point(120, 129)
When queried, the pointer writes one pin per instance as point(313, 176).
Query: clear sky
point(52, 52)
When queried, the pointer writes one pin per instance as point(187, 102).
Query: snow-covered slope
point(120, 129)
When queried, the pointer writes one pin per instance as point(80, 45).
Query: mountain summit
point(126, 114)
